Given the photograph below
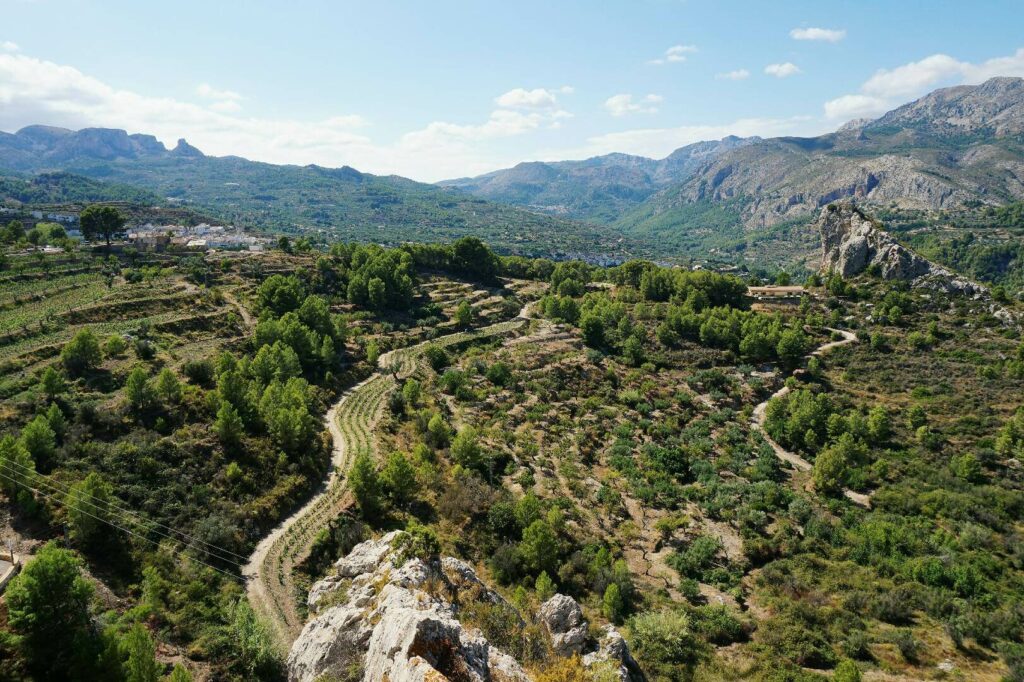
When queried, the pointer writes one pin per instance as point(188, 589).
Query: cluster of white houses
point(151, 237)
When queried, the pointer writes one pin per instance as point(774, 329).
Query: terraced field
point(42, 307)
point(351, 422)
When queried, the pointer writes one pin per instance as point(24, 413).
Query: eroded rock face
point(397, 621)
point(851, 242)
point(381, 618)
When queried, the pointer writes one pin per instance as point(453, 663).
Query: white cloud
point(620, 105)
point(889, 87)
point(207, 91)
point(783, 70)
point(849, 107)
point(521, 98)
point(222, 101)
point(676, 53)
point(828, 35)
point(737, 75)
point(226, 106)
point(8, 46)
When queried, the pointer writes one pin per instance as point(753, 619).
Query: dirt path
point(350, 421)
point(795, 460)
point(247, 318)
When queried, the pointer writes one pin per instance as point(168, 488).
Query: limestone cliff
point(386, 616)
point(851, 242)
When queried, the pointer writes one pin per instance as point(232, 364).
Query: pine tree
point(612, 604)
point(399, 478)
point(362, 479)
point(168, 388)
point(229, 426)
point(52, 383)
point(39, 441)
point(140, 664)
point(88, 509)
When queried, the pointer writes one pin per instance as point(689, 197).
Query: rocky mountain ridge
point(951, 146)
point(599, 188)
point(385, 615)
point(34, 146)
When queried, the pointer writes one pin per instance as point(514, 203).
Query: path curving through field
point(793, 459)
point(270, 583)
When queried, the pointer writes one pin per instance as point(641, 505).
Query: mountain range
point(954, 147)
point(338, 203)
point(598, 189)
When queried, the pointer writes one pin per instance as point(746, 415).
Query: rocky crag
point(852, 242)
point(385, 615)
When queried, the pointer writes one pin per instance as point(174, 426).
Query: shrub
point(665, 644)
point(81, 353)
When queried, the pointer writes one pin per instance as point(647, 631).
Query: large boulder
point(396, 619)
point(563, 619)
point(565, 624)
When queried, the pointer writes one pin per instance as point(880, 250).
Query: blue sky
point(443, 89)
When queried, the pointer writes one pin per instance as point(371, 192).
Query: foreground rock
point(383, 616)
point(563, 620)
point(851, 242)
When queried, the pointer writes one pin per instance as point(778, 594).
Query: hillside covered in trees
point(825, 485)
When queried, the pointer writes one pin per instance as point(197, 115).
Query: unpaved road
point(351, 420)
point(795, 460)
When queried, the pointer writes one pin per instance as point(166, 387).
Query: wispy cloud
point(8, 46)
point(676, 53)
point(621, 105)
point(890, 87)
point(828, 35)
point(537, 98)
point(737, 75)
point(784, 70)
point(224, 101)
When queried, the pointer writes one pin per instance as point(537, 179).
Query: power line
point(112, 524)
point(129, 512)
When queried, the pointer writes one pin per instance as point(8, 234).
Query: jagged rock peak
point(183, 148)
point(385, 616)
point(852, 242)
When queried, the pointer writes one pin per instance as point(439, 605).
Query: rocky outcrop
point(851, 242)
point(397, 620)
point(613, 651)
point(563, 619)
point(383, 616)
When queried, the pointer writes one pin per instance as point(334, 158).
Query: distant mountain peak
point(183, 148)
point(996, 106)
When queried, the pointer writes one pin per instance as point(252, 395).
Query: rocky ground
point(386, 615)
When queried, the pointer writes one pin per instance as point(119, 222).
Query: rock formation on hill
point(386, 616)
point(851, 242)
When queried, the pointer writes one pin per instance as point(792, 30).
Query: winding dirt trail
point(270, 583)
point(793, 459)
